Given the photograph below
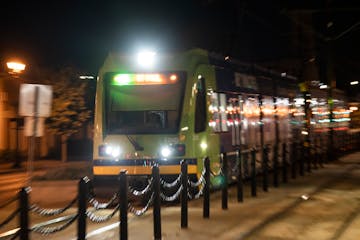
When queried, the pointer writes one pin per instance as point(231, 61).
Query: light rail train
point(187, 106)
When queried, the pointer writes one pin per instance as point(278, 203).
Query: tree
point(69, 111)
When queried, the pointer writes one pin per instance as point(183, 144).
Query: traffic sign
point(31, 94)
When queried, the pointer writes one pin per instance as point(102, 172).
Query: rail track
point(315, 210)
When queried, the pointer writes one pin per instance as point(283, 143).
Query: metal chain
point(97, 205)
point(8, 202)
point(50, 230)
point(171, 185)
point(200, 181)
point(142, 211)
point(15, 235)
point(99, 219)
point(173, 197)
point(51, 212)
point(142, 192)
point(199, 193)
point(9, 218)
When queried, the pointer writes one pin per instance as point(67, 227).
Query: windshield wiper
point(135, 144)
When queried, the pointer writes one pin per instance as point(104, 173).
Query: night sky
point(81, 33)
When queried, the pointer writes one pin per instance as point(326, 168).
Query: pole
point(156, 211)
point(24, 214)
point(262, 147)
point(240, 197)
point(277, 135)
point(224, 199)
point(123, 205)
point(253, 173)
point(284, 164)
point(83, 194)
point(206, 207)
point(32, 138)
point(265, 151)
point(184, 196)
point(276, 165)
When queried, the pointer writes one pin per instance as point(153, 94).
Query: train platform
point(322, 204)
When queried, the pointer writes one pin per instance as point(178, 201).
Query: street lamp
point(15, 68)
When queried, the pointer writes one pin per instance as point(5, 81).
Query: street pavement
point(323, 204)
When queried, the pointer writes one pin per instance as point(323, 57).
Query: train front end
point(137, 120)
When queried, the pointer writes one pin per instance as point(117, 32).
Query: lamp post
point(16, 68)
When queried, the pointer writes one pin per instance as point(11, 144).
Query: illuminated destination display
point(143, 79)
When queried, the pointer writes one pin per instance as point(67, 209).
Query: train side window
point(200, 106)
point(218, 120)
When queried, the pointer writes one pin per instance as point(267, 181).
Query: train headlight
point(165, 152)
point(109, 151)
point(172, 150)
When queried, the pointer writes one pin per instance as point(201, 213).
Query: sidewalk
point(310, 207)
point(305, 208)
point(41, 167)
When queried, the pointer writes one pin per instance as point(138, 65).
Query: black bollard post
point(224, 199)
point(123, 198)
point(24, 213)
point(82, 204)
point(240, 196)
point(316, 153)
point(206, 209)
point(276, 165)
point(184, 196)
point(293, 161)
point(284, 164)
point(322, 153)
point(302, 159)
point(309, 156)
point(265, 169)
point(253, 173)
point(156, 211)
point(245, 160)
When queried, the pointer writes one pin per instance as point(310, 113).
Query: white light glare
point(146, 58)
point(305, 197)
point(16, 66)
point(203, 145)
point(323, 86)
point(113, 151)
point(354, 83)
point(165, 151)
point(86, 77)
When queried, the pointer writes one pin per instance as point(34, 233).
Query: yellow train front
point(141, 118)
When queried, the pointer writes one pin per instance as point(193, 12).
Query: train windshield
point(143, 103)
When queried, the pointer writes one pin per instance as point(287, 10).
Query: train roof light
point(146, 59)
